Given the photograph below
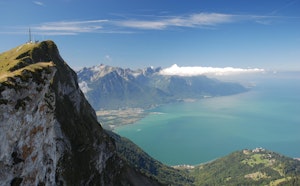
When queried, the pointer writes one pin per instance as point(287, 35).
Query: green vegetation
point(249, 167)
point(21, 61)
point(136, 157)
point(17, 66)
point(15, 56)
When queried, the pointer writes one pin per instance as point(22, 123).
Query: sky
point(258, 34)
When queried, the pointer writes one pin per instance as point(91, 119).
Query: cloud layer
point(193, 20)
point(69, 28)
point(198, 70)
point(134, 24)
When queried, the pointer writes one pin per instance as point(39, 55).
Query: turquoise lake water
point(268, 116)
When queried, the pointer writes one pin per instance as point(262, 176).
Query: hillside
point(109, 87)
point(249, 167)
point(136, 157)
point(49, 132)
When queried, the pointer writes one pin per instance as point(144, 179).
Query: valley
point(111, 119)
point(124, 96)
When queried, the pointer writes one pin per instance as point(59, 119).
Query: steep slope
point(113, 88)
point(249, 167)
point(49, 133)
point(136, 157)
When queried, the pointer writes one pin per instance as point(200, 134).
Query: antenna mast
point(30, 40)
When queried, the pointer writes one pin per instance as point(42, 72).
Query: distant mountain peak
point(109, 87)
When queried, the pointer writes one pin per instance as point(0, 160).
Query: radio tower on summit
point(29, 34)
point(30, 37)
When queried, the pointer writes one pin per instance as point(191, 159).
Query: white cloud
point(69, 27)
point(131, 25)
point(198, 70)
point(152, 25)
point(39, 3)
point(193, 20)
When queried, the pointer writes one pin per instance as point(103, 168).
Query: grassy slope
point(17, 61)
point(245, 167)
point(249, 168)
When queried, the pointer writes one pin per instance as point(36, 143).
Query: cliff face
point(49, 132)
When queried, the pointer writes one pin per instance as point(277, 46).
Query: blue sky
point(140, 33)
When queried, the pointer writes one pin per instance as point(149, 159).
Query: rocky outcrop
point(49, 133)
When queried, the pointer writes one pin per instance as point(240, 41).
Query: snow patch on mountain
point(84, 87)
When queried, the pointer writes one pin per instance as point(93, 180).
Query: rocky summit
point(49, 132)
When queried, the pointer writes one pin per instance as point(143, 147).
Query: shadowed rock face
point(49, 132)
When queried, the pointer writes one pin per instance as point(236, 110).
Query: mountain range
point(50, 135)
point(109, 87)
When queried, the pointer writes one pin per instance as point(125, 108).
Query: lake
point(267, 116)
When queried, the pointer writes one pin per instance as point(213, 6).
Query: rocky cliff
point(49, 133)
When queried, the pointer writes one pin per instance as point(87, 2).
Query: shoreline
point(112, 119)
point(133, 115)
point(152, 110)
point(115, 118)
